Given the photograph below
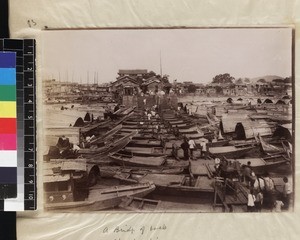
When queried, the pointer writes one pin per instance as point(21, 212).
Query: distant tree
point(239, 81)
point(262, 80)
point(192, 88)
point(219, 90)
point(288, 80)
point(247, 80)
point(149, 75)
point(223, 78)
point(278, 81)
point(165, 78)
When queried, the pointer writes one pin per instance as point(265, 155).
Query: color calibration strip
point(25, 126)
point(8, 126)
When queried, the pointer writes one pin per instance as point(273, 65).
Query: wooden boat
point(139, 204)
point(179, 185)
point(184, 126)
point(145, 131)
point(176, 163)
point(218, 143)
point(188, 130)
point(229, 151)
point(145, 143)
point(60, 195)
point(104, 124)
point(144, 151)
point(113, 147)
point(141, 136)
point(181, 125)
point(127, 111)
point(137, 161)
point(261, 165)
point(269, 148)
point(194, 135)
point(243, 142)
point(202, 168)
point(123, 172)
point(144, 126)
point(107, 136)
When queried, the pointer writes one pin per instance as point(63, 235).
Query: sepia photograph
point(168, 120)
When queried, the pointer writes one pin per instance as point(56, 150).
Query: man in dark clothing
point(185, 148)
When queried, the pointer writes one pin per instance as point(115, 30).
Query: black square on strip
point(28, 79)
point(28, 46)
point(28, 127)
point(13, 44)
point(29, 159)
point(29, 112)
point(29, 142)
point(28, 95)
point(29, 175)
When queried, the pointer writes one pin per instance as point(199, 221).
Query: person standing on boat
point(185, 148)
point(259, 201)
point(251, 202)
point(176, 131)
point(249, 175)
point(217, 164)
point(270, 191)
point(149, 115)
point(192, 146)
point(259, 184)
point(203, 150)
point(287, 192)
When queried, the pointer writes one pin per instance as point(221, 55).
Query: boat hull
point(103, 202)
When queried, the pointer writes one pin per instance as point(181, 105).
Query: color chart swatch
point(8, 126)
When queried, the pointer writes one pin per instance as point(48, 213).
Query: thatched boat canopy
point(229, 121)
point(250, 129)
point(79, 122)
point(229, 100)
point(282, 102)
point(284, 131)
point(268, 100)
point(286, 97)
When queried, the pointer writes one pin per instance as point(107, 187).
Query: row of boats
point(133, 156)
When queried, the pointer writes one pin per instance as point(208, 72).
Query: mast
point(160, 63)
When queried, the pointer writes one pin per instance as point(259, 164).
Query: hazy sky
point(187, 54)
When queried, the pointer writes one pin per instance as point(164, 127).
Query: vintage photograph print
point(168, 120)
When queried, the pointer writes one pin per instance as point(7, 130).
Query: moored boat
point(140, 204)
point(62, 199)
point(145, 151)
point(262, 165)
point(269, 148)
point(145, 143)
point(114, 146)
point(126, 160)
point(180, 185)
point(229, 151)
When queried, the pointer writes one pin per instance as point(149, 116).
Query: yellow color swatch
point(8, 109)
